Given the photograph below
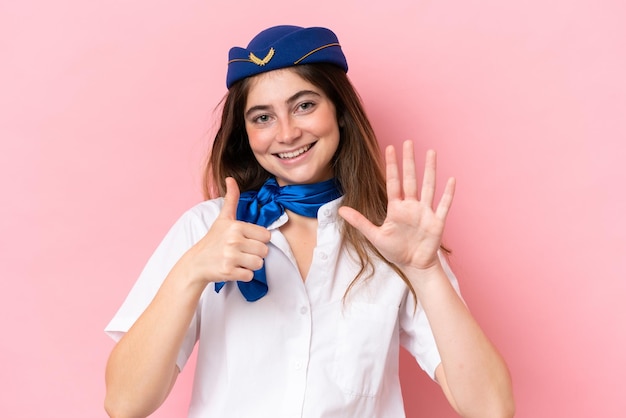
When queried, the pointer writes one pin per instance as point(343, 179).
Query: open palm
point(411, 234)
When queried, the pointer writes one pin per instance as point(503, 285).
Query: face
point(292, 127)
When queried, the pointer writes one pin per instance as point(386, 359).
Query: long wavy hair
point(357, 163)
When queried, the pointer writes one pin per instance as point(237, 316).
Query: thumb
point(357, 220)
point(231, 199)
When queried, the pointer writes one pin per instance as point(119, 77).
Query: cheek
point(334, 133)
point(256, 141)
point(330, 123)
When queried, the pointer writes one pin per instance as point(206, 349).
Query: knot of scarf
point(266, 205)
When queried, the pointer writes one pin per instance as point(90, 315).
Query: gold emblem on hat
point(262, 62)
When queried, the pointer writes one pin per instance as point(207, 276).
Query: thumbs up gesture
point(231, 249)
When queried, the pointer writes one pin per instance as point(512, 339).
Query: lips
point(295, 153)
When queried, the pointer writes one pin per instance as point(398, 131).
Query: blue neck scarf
point(266, 205)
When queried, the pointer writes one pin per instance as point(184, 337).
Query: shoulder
point(204, 212)
point(196, 221)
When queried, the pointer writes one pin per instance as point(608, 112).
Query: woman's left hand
point(472, 374)
point(411, 234)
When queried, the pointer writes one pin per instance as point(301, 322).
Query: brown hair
point(357, 163)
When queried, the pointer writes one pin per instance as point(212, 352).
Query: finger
point(394, 190)
point(446, 199)
point(430, 174)
point(231, 199)
point(244, 255)
point(250, 262)
point(239, 274)
point(357, 220)
point(409, 179)
point(254, 247)
point(256, 232)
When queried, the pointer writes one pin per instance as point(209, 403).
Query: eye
point(306, 106)
point(261, 119)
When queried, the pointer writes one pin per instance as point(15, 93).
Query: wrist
point(421, 277)
point(185, 275)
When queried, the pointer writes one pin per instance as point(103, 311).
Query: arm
point(141, 369)
point(472, 374)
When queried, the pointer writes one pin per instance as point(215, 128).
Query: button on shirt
point(302, 350)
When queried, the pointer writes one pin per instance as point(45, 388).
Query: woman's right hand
point(231, 250)
point(142, 367)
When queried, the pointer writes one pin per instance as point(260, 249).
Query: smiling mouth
point(294, 154)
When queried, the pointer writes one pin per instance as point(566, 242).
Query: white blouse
point(302, 350)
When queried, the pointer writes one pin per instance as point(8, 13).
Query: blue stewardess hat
point(284, 46)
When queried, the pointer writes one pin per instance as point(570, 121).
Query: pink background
point(106, 109)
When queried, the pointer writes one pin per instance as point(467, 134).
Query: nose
point(288, 131)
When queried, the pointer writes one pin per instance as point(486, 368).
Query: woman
point(302, 281)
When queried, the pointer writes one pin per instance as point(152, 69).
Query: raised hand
point(411, 234)
point(231, 250)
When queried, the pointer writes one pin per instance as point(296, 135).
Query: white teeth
point(295, 153)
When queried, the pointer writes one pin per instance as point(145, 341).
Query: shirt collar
point(326, 214)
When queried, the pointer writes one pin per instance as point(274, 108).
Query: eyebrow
point(289, 101)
